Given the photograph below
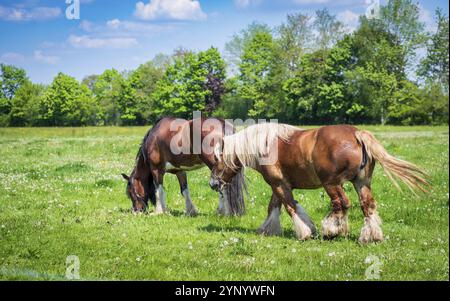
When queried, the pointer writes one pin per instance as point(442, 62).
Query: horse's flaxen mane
point(253, 143)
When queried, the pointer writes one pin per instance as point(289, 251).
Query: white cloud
point(302, 2)
point(12, 57)
point(113, 24)
point(29, 14)
point(349, 18)
point(48, 59)
point(91, 42)
point(86, 26)
point(129, 27)
point(170, 9)
point(246, 3)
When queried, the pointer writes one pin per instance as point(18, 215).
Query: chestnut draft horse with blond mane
point(309, 159)
point(176, 146)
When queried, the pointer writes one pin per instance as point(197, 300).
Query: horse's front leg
point(158, 180)
point(303, 226)
point(190, 208)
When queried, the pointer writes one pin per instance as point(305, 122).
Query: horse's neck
point(208, 158)
point(142, 170)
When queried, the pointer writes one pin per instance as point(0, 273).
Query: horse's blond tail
point(408, 173)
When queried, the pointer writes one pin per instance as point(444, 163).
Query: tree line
point(305, 71)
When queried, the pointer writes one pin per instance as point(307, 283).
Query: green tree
point(135, 105)
point(375, 69)
point(90, 81)
point(261, 76)
point(189, 84)
point(294, 40)
point(67, 103)
point(108, 92)
point(11, 78)
point(232, 105)
point(213, 66)
point(235, 47)
point(329, 29)
point(302, 91)
point(409, 107)
point(25, 105)
point(400, 18)
point(434, 67)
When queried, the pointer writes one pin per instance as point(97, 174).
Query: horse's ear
point(125, 177)
point(217, 151)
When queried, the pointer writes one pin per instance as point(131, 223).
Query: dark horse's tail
point(408, 173)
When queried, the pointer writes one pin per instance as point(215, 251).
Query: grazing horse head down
point(140, 188)
point(178, 146)
point(246, 149)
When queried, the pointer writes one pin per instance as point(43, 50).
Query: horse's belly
point(304, 178)
point(172, 168)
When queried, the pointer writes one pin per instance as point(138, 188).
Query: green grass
point(61, 194)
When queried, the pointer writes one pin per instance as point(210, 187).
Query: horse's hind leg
point(303, 226)
point(190, 208)
point(158, 179)
point(272, 225)
point(371, 231)
point(336, 222)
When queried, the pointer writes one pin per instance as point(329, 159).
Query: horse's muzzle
point(214, 184)
point(138, 211)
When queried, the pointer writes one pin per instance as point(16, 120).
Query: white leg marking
point(190, 208)
point(371, 231)
point(272, 225)
point(335, 224)
point(301, 212)
point(160, 200)
point(301, 229)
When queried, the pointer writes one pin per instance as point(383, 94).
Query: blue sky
point(37, 36)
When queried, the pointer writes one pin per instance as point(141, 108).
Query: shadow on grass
point(287, 233)
point(214, 228)
point(173, 213)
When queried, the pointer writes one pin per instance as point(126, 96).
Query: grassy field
point(61, 194)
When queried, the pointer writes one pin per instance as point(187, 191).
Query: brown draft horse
point(169, 147)
point(309, 159)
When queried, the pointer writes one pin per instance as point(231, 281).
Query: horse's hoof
point(157, 213)
point(371, 231)
point(269, 232)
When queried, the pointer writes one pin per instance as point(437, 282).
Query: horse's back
point(337, 154)
point(161, 142)
point(314, 157)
